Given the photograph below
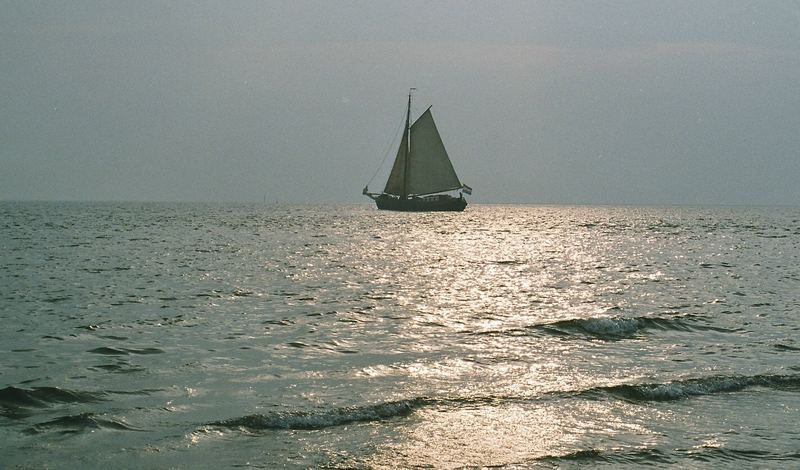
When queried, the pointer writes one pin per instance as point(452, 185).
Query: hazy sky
point(638, 102)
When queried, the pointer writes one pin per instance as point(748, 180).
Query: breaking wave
point(682, 389)
point(648, 392)
point(320, 419)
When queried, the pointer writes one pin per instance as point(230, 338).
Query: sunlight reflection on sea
point(341, 336)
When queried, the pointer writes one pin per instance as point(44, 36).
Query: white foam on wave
point(610, 326)
point(694, 387)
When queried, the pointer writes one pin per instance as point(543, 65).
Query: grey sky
point(639, 102)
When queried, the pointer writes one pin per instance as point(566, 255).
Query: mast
point(408, 147)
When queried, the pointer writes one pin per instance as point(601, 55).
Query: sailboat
point(422, 172)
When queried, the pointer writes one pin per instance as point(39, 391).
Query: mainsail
point(430, 170)
point(422, 165)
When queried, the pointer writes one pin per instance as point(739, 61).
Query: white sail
point(429, 167)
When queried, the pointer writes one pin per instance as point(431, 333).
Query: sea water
point(143, 335)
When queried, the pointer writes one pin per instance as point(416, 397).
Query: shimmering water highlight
point(197, 335)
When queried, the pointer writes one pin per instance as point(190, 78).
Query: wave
point(609, 328)
point(640, 457)
point(321, 419)
point(119, 368)
point(124, 351)
point(721, 454)
point(625, 327)
point(682, 389)
point(651, 456)
point(83, 422)
point(648, 392)
point(638, 393)
point(40, 397)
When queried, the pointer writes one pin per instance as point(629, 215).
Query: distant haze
point(613, 102)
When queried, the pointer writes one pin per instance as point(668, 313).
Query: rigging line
point(388, 149)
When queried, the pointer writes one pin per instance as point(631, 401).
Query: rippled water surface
point(187, 335)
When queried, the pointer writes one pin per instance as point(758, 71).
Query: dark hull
point(437, 204)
